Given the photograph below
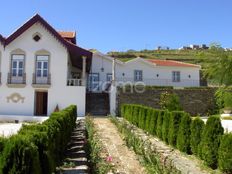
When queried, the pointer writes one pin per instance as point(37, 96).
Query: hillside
point(189, 56)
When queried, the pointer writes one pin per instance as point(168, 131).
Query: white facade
point(19, 99)
point(153, 75)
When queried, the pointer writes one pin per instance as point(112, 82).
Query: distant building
point(194, 47)
point(163, 48)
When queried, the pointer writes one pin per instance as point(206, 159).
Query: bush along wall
point(211, 140)
point(196, 128)
point(183, 137)
point(39, 148)
point(189, 135)
point(174, 123)
point(225, 154)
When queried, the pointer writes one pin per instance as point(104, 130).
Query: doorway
point(41, 103)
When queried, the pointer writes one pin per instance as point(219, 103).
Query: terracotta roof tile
point(67, 34)
point(171, 63)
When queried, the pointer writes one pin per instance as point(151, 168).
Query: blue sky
point(109, 25)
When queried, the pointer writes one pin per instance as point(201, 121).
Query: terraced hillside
point(190, 56)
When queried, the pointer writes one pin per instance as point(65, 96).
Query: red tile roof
point(67, 34)
point(171, 63)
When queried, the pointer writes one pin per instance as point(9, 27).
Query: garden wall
point(193, 100)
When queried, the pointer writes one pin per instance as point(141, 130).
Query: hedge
point(183, 137)
point(190, 136)
point(165, 126)
point(153, 121)
point(211, 140)
point(174, 123)
point(39, 148)
point(159, 124)
point(196, 128)
point(225, 153)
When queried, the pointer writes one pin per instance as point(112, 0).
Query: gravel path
point(125, 160)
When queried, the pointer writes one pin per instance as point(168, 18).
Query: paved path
point(125, 160)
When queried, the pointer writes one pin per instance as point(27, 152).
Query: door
point(41, 103)
point(93, 82)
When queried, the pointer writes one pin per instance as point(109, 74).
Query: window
point(41, 66)
point(138, 75)
point(176, 76)
point(108, 77)
point(17, 65)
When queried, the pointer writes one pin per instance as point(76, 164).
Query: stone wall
point(169, 160)
point(196, 101)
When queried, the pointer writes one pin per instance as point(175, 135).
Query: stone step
point(83, 169)
point(75, 152)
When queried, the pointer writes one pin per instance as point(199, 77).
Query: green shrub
point(148, 119)
point(170, 101)
point(39, 148)
point(153, 122)
point(196, 128)
point(165, 126)
point(2, 143)
point(228, 100)
point(159, 124)
point(174, 126)
point(211, 140)
point(20, 155)
point(225, 154)
point(183, 137)
point(142, 117)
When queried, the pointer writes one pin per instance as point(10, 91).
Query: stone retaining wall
point(170, 159)
point(199, 101)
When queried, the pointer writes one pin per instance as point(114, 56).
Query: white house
point(148, 71)
point(41, 70)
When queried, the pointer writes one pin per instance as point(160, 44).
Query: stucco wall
point(194, 101)
point(58, 93)
point(125, 72)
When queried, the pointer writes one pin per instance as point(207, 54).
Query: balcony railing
point(16, 79)
point(74, 82)
point(36, 80)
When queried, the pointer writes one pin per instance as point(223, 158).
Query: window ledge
point(41, 85)
point(15, 85)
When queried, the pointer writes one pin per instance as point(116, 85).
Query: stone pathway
point(124, 159)
point(76, 156)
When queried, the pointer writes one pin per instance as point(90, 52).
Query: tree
point(218, 69)
point(211, 140)
point(183, 137)
point(170, 101)
point(196, 128)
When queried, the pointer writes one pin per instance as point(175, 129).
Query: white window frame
point(138, 75)
point(19, 61)
point(43, 60)
point(176, 76)
point(109, 77)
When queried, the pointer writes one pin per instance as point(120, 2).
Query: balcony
point(41, 82)
point(74, 82)
point(16, 81)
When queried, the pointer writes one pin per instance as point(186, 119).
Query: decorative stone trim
point(15, 98)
